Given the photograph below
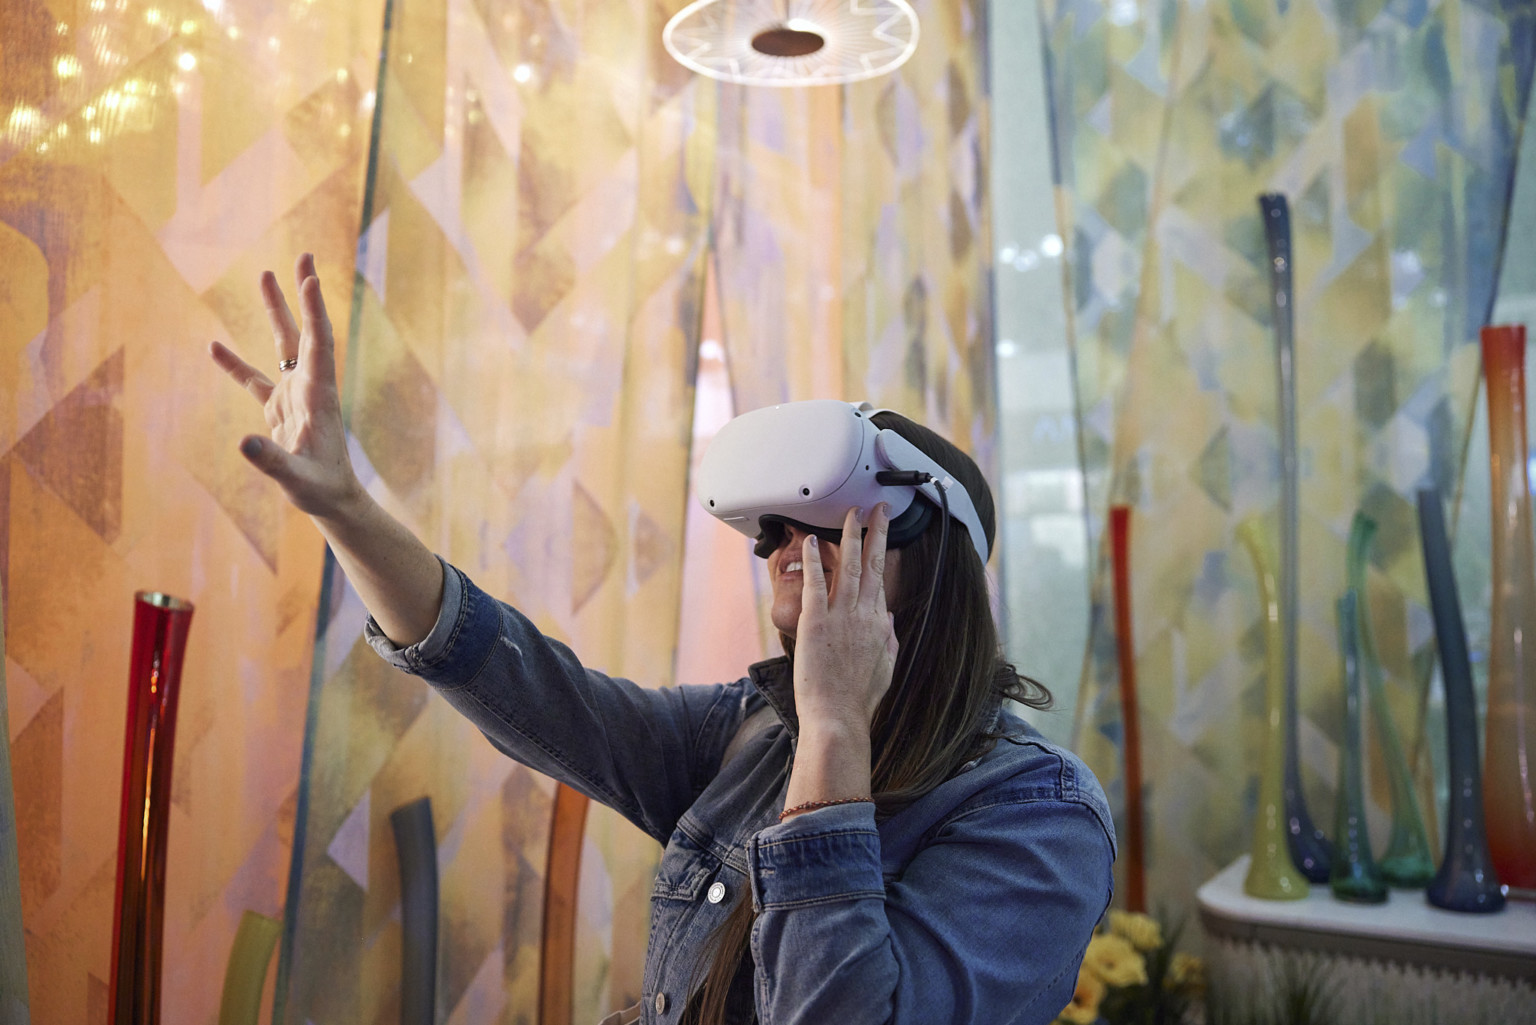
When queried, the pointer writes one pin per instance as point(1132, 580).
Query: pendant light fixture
point(793, 42)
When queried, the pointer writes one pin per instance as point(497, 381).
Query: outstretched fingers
point(317, 343)
point(269, 457)
point(285, 332)
point(245, 375)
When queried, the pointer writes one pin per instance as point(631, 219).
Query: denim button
point(661, 1003)
point(716, 893)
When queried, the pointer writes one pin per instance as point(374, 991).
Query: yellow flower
point(1084, 1008)
point(1187, 972)
point(1114, 960)
point(1142, 930)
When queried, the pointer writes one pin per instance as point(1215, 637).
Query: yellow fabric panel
point(154, 157)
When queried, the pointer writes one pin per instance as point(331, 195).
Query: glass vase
point(246, 974)
point(1309, 847)
point(1508, 773)
point(1353, 875)
point(1271, 872)
point(1130, 714)
point(416, 848)
point(13, 947)
point(1407, 860)
point(160, 625)
point(1466, 880)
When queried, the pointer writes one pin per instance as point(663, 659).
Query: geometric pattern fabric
point(1391, 127)
point(153, 159)
point(853, 240)
point(520, 394)
point(543, 189)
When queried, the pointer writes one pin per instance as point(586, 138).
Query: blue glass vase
point(1466, 880)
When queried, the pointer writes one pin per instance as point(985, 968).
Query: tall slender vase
point(13, 948)
point(1271, 872)
point(1509, 767)
point(1354, 875)
point(562, 876)
point(1467, 880)
point(416, 847)
point(1407, 860)
point(1130, 714)
point(246, 974)
point(160, 625)
point(1309, 847)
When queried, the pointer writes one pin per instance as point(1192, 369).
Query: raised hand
point(307, 451)
point(845, 641)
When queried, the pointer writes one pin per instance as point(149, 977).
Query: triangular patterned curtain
point(527, 307)
point(154, 158)
point(521, 312)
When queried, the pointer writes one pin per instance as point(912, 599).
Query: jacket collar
point(775, 681)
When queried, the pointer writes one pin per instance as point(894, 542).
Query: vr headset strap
point(901, 454)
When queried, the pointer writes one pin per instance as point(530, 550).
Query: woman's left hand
point(845, 641)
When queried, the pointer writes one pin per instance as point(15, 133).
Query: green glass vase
point(1407, 860)
point(247, 972)
point(1353, 875)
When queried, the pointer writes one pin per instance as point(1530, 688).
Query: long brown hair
point(940, 710)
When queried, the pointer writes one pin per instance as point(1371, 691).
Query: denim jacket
point(972, 905)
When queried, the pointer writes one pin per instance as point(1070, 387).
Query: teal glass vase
point(1353, 875)
point(1407, 860)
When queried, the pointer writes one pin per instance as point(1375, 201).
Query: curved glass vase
point(1354, 875)
point(1271, 872)
point(1407, 860)
point(160, 625)
point(1508, 775)
point(416, 848)
point(246, 974)
point(1309, 847)
point(1467, 880)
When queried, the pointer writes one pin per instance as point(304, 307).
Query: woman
point(839, 848)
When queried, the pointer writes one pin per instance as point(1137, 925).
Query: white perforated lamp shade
point(793, 42)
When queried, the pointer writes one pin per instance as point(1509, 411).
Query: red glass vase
point(1130, 711)
point(160, 624)
point(1508, 805)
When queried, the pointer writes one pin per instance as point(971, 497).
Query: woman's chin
point(785, 617)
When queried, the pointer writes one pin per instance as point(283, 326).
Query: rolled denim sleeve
point(986, 925)
point(646, 753)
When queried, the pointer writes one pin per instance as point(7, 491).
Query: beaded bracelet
point(813, 805)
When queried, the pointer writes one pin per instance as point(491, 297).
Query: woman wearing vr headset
point(858, 832)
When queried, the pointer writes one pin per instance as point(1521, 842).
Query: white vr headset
point(807, 463)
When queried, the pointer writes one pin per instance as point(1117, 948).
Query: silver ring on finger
point(283, 366)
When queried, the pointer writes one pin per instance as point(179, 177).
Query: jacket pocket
point(686, 867)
